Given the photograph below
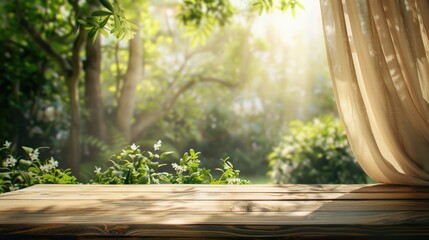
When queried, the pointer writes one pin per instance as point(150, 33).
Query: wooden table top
point(203, 211)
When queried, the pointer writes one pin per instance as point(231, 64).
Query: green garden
point(172, 91)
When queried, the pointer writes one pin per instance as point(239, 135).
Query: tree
point(152, 94)
point(68, 60)
point(69, 64)
point(96, 124)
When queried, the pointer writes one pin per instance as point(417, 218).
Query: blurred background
point(232, 80)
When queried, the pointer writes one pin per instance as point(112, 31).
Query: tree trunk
point(74, 133)
point(72, 80)
point(133, 75)
point(96, 126)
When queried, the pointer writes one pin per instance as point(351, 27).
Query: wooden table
point(214, 211)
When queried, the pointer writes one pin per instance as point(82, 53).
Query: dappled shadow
point(365, 212)
point(381, 210)
point(276, 211)
point(91, 213)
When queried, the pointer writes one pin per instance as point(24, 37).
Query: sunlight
point(299, 44)
point(305, 26)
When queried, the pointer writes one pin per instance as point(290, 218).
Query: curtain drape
point(378, 52)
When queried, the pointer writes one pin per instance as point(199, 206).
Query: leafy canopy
point(110, 19)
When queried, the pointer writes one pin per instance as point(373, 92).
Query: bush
point(315, 152)
point(20, 172)
point(133, 166)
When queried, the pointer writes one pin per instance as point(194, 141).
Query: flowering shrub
point(20, 172)
point(315, 152)
point(133, 166)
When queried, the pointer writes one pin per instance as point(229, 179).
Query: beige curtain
point(378, 52)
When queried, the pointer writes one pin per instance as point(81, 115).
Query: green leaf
point(92, 22)
point(82, 21)
point(107, 5)
point(24, 164)
point(104, 22)
point(93, 34)
point(117, 21)
point(164, 154)
point(101, 13)
point(26, 177)
point(27, 149)
point(5, 175)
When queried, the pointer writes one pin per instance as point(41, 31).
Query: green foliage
point(133, 166)
point(20, 172)
point(195, 12)
point(315, 152)
point(32, 94)
point(104, 150)
point(263, 6)
point(201, 16)
point(268, 5)
point(111, 19)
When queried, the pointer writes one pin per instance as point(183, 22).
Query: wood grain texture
point(207, 211)
point(261, 188)
point(101, 205)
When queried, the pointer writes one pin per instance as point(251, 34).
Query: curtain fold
point(378, 53)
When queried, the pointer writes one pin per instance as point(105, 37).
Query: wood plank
point(262, 188)
point(222, 218)
point(206, 196)
point(110, 231)
point(94, 205)
point(214, 211)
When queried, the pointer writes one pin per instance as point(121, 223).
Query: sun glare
point(306, 24)
point(298, 43)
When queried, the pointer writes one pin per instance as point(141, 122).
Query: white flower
point(134, 147)
point(97, 169)
point(34, 155)
point(156, 156)
point(175, 166)
point(178, 168)
point(233, 181)
point(157, 145)
point(44, 168)
point(10, 161)
point(7, 144)
point(52, 164)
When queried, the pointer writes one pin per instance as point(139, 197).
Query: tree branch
point(169, 103)
point(145, 120)
point(222, 82)
point(43, 44)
